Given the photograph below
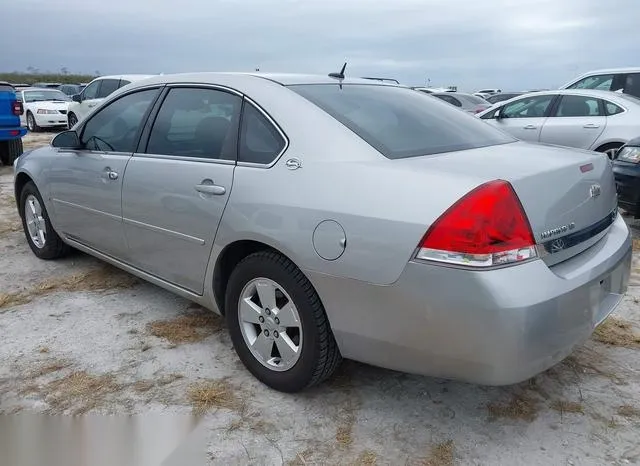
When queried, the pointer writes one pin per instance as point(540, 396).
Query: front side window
point(107, 88)
point(91, 91)
point(578, 106)
point(194, 122)
point(260, 141)
point(527, 107)
point(601, 82)
point(399, 122)
point(114, 128)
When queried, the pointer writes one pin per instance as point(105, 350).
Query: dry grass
point(187, 328)
point(636, 244)
point(628, 411)
point(366, 458)
point(302, 458)
point(79, 392)
point(10, 225)
point(441, 454)
point(213, 394)
point(567, 407)
point(143, 386)
point(520, 407)
point(100, 278)
point(48, 368)
point(8, 201)
point(617, 332)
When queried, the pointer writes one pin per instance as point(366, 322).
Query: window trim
point(145, 118)
point(274, 124)
point(143, 142)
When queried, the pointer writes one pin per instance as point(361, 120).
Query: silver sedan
point(586, 119)
point(329, 218)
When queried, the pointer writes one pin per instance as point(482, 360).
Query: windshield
point(44, 95)
point(400, 122)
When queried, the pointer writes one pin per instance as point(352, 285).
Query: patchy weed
point(213, 394)
point(567, 407)
point(187, 328)
point(617, 332)
point(520, 407)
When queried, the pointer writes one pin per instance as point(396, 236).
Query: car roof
point(129, 77)
point(284, 79)
point(629, 69)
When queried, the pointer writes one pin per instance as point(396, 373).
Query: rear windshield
point(400, 122)
point(472, 99)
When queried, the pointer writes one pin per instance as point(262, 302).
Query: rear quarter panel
point(384, 206)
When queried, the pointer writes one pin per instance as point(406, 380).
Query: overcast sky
point(510, 44)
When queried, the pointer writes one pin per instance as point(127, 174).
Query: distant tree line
point(34, 75)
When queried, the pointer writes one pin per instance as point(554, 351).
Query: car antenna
point(339, 75)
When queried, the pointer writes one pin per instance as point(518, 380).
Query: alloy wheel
point(270, 324)
point(36, 224)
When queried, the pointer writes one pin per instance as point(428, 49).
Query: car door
point(523, 118)
point(577, 121)
point(178, 183)
point(86, 183)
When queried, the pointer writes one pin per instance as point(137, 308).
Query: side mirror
point(76, 98)
point(66, 140)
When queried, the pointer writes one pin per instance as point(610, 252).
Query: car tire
point(32, 125)
point(52, 246)
point(10, 151)
point(72, 119)
point(317, 356)
point(610, 149)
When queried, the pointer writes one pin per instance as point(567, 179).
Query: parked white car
point(43, 108)
point(95, 92)
point(624, 80)
point(484, 93)
point(586, 119)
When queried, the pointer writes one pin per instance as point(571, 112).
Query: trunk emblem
point(595, 190)
point(556, 231)
point(557, 245)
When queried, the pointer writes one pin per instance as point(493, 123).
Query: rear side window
point(123, 82)
point(612, 109)
point(108, 87)
point(578, 106)
point(201, 123)
point(260, 141)
point(400, 122)
point(632, 84)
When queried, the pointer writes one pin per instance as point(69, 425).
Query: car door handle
point(591, 126)
point(210, 189)
point(530, 127)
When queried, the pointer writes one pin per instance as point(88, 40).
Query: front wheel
point(278, 325)
point(610, 149)
point(42, 238)
point(32, 125)
point(72, 120)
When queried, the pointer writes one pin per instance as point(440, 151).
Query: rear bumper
point(494, 327)
point(8, 134)
point(628, 187)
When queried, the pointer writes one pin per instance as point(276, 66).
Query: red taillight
point(486, 227)
point(17, 108)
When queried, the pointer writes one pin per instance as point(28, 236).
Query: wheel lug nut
point(277, 321)
point(266, 333)
point(261, 319)
point(275, 334)
point(267, 311)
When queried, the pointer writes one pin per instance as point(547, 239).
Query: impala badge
point(595, 190)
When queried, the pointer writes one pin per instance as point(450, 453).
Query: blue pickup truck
point(10, 130)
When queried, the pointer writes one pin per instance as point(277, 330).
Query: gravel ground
point(81, 337)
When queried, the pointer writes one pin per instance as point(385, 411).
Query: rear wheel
point(10, 150)
point(278, 324)
point(610, 149)
point(42, 238)
point(31, 123)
